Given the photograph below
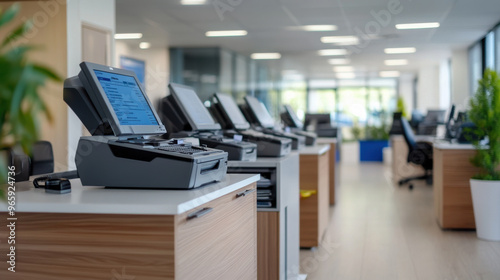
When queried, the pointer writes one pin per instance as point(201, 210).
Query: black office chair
point(418, 153)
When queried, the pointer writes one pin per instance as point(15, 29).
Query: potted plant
point(485, 186)
point(20, 101)
point(401, 107)
point(375, 140)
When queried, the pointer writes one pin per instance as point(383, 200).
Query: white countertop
point(99, 200)
point(452, 146)
point(314, 150)
point(326, 140)
point(262, 161)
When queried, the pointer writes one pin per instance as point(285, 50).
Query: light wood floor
point(380, 231)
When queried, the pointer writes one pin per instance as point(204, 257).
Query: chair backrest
point(396, 124)
point(408, 135)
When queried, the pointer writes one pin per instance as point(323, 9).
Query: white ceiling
point(166, 23)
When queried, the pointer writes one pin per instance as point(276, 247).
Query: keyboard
point(189, 150)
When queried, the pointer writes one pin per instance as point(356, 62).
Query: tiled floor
point(380, 231)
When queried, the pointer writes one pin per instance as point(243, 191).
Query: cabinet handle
point(199, 213)
point(244, 193)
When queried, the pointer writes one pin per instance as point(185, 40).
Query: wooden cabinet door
point(218, 239)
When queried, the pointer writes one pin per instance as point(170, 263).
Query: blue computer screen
point(126, 98)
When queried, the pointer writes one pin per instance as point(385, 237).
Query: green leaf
point(18, 32)
point(9, 14)
point(47, 72)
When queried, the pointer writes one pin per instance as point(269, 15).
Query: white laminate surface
point(452, 146)
point(99, 200)
point(315, 150)
point(326, 140)
point(262, 161)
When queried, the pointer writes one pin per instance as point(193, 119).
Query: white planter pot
point(486, 202)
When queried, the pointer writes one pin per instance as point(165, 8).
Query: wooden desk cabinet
point(334, 176)
point(214, 240)
point(452, 194)
point(314, 170)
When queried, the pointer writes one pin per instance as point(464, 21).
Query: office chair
point(418, 153)
point(396, 128)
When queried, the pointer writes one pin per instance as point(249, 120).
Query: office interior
point(324, 74)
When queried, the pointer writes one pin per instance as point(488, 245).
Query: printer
point(293, 123)
point(185, 116)
point(122, 151)
point(257, 114)
point(226, 111)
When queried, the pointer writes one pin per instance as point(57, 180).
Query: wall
point(99, 13)
point(49, 34)
point(157, 67)
point(460, 78)
point(405, 90)
point(444, 84)
point(428, 88)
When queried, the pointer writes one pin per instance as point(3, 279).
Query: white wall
point(100, 13)
point(444, 84)
point(405, 88)
point(460, 78)
point(157, 67)
point(428, 88)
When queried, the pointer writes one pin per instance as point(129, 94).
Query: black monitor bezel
point(224, 111)
point(101, 101)
point(293, 117)
point(256, 113)
point(192, 123)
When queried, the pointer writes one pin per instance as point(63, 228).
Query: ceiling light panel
point(421, 25)
point(395, 62)
point(332, 52)
point(125, 36)
point(399, 50)
point(266, 56)
point(226, 33)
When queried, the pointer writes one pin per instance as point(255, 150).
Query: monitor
point(449, 126)
point(290, 118)
point(189, 103)
point(259, 112)
point(120, 100)
point(435, 116)
point(317, 119)
point(233, 114)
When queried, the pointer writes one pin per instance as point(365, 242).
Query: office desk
point(334, 176)
point(400, 167)
point(452, 195)
point(98, 233)
point(314, 169)
point(277, 226)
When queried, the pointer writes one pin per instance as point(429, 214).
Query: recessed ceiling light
point(331, 52)
point(144, 45)
point(318, 27)
point(399, 50)
point(339, 61)
point(389, 74)
point(348, 75)
point(226, 33)
point(340, 40)
point(193, 2)
point(266, 56)
point(343, 68)
point(418, 25)
point(395, 62)
point(120, 36)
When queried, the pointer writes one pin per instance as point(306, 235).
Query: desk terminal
point(226, 111)
point(185, 116)
point(258, 115)
point(113, 106)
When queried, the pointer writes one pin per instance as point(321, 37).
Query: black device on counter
point(113, 106)
point(292, 121)
point(257, 114)
point(186, 116)
point(226, 111)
